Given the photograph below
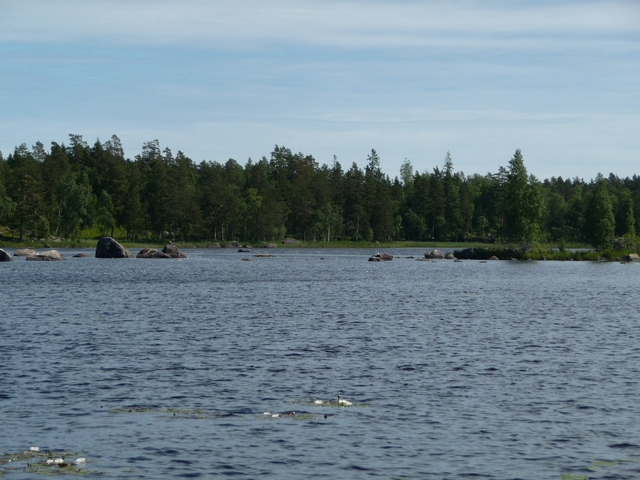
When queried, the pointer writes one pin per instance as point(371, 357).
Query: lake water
point(165, 368)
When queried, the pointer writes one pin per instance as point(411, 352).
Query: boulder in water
point(173, 251)
point(151, 253)
point(24, 252)
point(109, 248)
point(48, 256)
point(4, 256)
point(381, 257)
point(434, 254)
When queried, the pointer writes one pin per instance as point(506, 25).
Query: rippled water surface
point(165, 368)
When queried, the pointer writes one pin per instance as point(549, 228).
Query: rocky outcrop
point(151, 253)
point(493, 257)
point(269, 245)
point(381, 257)
point(233, 244)
point(435, 255)
point(24, 252)
point(4, 256)
point(109, 248)
point(632, 257)
point(290, 241)
point(48, 256)
point(173, 251)
point(450, 256)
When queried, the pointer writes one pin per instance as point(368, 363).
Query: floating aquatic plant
point(192, 413)
point(331, 403)
point(598, 464)
point(290, 415)
point(174, 411)
point(37, 462)
point(571, 476)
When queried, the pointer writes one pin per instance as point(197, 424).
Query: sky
point(559, 80)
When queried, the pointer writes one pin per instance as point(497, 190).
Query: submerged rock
point(151, 253)
point(48, 256)
point(109, 248)
point(5, 257)
point(81, 255)
point(173, 251)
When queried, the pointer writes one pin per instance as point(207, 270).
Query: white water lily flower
point(275, 415)
point(58, 460)
point(35, 449)
point(319, 402)
point(81, 460)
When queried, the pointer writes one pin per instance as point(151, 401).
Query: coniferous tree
point(523, 203)
point(601, 218)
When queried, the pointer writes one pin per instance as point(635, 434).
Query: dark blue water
point(165, 368)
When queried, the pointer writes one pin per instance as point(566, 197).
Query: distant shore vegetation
point(74, 193)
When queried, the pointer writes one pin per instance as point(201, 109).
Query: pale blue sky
point(412, 79)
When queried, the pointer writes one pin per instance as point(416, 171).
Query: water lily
point(35, 449)
point(81, 460)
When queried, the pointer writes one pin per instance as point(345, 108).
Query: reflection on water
point(213, 365)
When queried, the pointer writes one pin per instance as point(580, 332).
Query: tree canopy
point(67, 189)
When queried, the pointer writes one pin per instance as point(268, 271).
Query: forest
point(74, 190)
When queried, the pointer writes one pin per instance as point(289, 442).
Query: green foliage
point(160, 196)
point(601, 218)
point(523, 201)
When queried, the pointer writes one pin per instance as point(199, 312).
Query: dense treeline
point(158, 195)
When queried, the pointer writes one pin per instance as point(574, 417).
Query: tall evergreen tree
point(601, 218)
point(523, 203)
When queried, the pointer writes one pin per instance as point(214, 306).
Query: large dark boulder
point(151, 253)
point(173, 251)
point(48, 256)
point(4, 256)
point(109, 248)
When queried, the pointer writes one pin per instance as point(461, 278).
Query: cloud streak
point(350, 24)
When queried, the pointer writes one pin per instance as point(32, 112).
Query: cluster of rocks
point(32, 255)
point(110, 248)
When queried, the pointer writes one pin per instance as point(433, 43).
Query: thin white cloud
point(352, 24)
